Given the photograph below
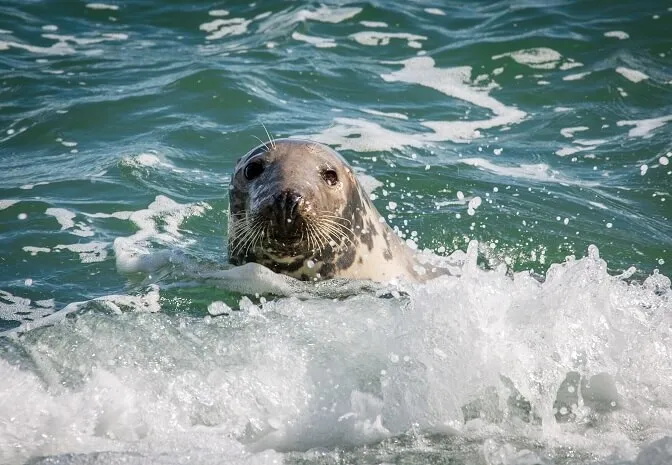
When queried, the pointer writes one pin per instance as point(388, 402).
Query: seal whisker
point(247, 232)
point(337, 235)
point(269, 136)
point(262, 142)
point(316, 233)
point(341, 228)
point(316, 247)
point(254, 240)
point(326, 214)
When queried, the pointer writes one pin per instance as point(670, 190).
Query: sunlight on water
point(501, 141)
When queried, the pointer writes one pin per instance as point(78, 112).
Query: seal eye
point(253, 170)
point(330, 177)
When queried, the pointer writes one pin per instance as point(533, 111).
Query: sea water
point(525, 147)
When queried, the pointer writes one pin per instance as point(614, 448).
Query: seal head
point(296, 207)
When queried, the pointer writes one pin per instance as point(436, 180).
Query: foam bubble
point(218, 308)
point(631, 74)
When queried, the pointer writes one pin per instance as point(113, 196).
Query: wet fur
point(341, 232)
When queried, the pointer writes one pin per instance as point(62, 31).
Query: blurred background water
point(534, 128)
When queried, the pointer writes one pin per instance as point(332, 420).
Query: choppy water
point(534, 128)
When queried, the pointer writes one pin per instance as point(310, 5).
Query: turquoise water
point(536, 129)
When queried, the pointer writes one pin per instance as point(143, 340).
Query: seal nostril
point(287, 209)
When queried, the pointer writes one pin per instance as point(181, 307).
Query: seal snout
point(286, 215)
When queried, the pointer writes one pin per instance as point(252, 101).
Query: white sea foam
point(575, 77)
point(378, 38)
point(219, 28)
point(453, 82)
point(149, 159)
point(536, 172)
point(373, 24)
point(569, 132)
point(617, 34)
point(294, 374)
point(158, 223)
point(435, 11)
point(386, 114)
point(89, 252)
point(13, 305)
point(59, 48)
point(327, 14)
point(569, 64)
point(631, 74)
point(61, 38)
point(368, 136)
point(645, 127)
point(319, 42)
point(33, 250)
point(598, 205)
point(102, 6)
point(63, 216)
point(4, 204)
point(565, 151)
point(31, 186)
point(537, 58)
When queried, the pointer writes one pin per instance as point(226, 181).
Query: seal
point(296, 207)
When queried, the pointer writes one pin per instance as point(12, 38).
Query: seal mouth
point(292, 233)
point(291, 227)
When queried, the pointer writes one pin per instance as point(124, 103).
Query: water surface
point(529, 130)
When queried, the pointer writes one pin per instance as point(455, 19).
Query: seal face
point(296, 207)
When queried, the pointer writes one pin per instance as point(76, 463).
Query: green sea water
point(537, 129)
